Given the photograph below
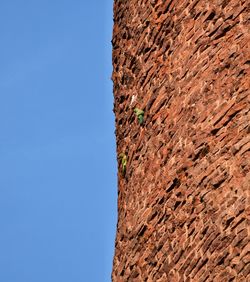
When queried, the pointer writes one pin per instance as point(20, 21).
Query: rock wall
point(183, 203)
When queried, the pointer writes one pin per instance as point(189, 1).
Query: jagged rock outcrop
point(183, 203)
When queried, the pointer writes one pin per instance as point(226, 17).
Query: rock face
point(183, 201)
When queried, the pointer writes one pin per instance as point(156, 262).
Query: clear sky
point(58, 169)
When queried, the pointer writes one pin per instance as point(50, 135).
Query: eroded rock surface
point(183, 204)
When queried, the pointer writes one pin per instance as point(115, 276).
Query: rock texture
point(183, 203)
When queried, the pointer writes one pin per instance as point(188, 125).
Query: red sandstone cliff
point(183, 203)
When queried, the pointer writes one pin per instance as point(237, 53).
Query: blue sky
point(58, 182)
